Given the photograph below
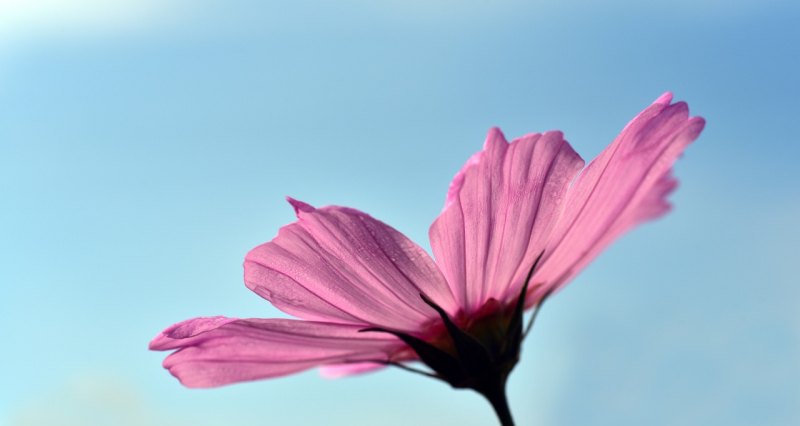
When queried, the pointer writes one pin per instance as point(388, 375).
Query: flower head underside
point(520, 220)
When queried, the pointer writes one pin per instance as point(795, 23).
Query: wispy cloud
point(93, 400)
point(23, 20)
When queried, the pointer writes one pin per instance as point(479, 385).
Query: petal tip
point(185, 377)
point(300, 206)
point(556, 135)
point(157, 342)
point(664, 99)
point(698, 123)
point(494, 135)
point(494, 130)
point(187, 329)
point(694, 127)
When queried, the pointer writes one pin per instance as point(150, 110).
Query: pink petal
point(337, 371)
point(500, 210)
point(217, 351)
point(625, 185)
point(341, 265)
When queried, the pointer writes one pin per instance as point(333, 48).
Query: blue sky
point(146, 147)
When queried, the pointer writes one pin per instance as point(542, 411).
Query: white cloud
point(93, 400)
point(22, 20)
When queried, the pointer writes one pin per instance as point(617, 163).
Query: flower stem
point(496, 394)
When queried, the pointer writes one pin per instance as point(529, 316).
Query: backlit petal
point(625, 185)
point(500, 210)
point(216, 351)
point(337, 371)
point(341, 265)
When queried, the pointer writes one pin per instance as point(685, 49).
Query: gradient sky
point(146, 147)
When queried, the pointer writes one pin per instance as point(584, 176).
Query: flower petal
point(337, 371)
point(341, 265)
point(625, 185)
point(499, 212)
point(217, 351)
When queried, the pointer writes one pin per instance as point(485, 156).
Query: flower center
point(478, 356)
point(481, 353)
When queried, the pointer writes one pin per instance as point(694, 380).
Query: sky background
point(146, 146)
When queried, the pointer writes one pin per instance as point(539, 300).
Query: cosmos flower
point(520, 220)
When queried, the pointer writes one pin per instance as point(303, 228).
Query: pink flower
point(520, 220)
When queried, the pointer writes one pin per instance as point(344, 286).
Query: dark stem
point(496, 394)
